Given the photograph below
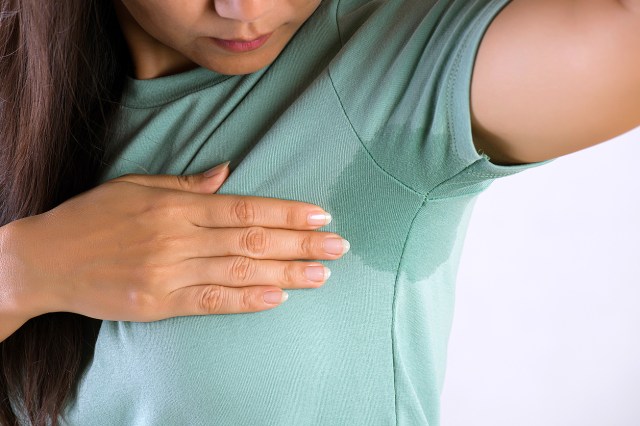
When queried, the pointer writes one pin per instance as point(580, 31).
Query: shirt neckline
point(162, 90)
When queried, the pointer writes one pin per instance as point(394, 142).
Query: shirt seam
point(454, 140)
point(404, 246)
point(465, 169)
point(453, 81)
point(338, 24)
point(394, 305)
point(464, 44)
point(385, 171)
point(427, 194)
point(406, 241)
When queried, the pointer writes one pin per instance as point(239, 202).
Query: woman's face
point(227, 36)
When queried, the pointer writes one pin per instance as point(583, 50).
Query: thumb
point(203, 183)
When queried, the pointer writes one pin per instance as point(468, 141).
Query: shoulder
point(555, 76)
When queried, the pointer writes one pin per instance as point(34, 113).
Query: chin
point(239, 64)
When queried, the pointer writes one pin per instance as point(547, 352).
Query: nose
point(243, 10)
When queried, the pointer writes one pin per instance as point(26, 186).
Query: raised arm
point(556, 76)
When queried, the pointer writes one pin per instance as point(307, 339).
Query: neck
point(150, 58)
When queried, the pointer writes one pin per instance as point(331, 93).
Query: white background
point(547, 320)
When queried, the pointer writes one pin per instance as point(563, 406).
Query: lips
point(240, 46)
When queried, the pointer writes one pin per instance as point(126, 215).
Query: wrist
point(19, 300)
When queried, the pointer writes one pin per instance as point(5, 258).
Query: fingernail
point(275, 297)
point(319, 219)
point(317, 273)
point(216, 170)
point(336, 246)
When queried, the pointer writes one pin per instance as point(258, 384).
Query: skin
point(166, 37)
point(551, 77)
point(145, 248)
point(556, 76)
point(149, 247)
point(575, 63)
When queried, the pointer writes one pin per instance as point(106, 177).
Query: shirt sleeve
point(403, 78)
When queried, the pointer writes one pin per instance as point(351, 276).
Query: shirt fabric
point(365, 113)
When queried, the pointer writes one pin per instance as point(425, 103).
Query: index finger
point(239, 211)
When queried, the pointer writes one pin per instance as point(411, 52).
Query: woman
point(356, 106)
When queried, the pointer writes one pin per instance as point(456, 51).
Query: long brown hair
point(61, 70)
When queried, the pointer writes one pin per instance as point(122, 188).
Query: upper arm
point(555, 76)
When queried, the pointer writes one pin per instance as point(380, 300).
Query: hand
point(145, 248)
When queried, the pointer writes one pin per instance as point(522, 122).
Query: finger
point(239, 271)
point(202, 183)
point(215, 177)
point(265, 243)
point(237, 211)
point(216, 299)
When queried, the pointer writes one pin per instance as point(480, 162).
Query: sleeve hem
point(459, 103)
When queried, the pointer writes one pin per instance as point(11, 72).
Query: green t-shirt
point(365, 113)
